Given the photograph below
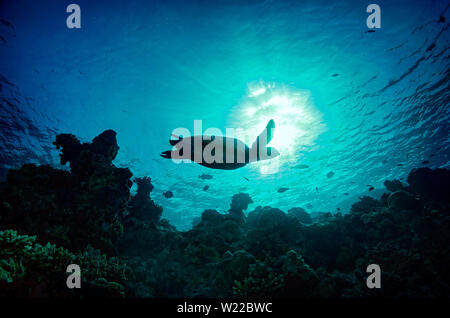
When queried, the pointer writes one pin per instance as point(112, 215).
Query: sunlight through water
point(298, 122)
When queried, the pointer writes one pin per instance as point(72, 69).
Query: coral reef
point(141, 206)
point(301, 215)
point(29, 269)
point(239, 203)
point(51, 218)
point(52, 204)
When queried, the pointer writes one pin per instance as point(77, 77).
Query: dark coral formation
point(76, 209)
point(301, 215)
point(124, 248)
point(239, 203)
point(84, 210)
point(141, 206)
point(29, 269)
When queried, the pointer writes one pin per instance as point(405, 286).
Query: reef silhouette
point(50, 218)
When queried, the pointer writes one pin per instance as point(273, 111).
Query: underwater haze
point(352, 107)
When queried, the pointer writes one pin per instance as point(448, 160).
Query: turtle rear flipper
point(166, 154)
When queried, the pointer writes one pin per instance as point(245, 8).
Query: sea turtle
point(220, 152)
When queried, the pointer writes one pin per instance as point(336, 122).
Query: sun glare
point(298, 123)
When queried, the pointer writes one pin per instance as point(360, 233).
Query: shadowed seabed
point(124, 248)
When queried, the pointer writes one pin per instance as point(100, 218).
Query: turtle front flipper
point(173, 142)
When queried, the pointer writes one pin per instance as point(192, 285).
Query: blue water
point(368, 106)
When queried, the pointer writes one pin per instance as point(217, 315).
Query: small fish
point(206, 187)
point(370, 31)
point(338, 209)
point(7, 24)
point(369, 185)
point(432, 155)
point(281, 190)
point(400, 164)
point(425, 162)
point(345, 193)
point(431, 47)
point(83, 74)
point(371, 188)
point(309, 206)
point(168, 194)
point(205, 176)
point(441, 19)
point(301, 167)
point(335, 75)
point(352, 182)
point(317, 189)
point(246, 178)
point(330, 174)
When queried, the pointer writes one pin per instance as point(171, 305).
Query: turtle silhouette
point(221, 152)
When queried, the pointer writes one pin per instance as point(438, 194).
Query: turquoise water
point(368, 106)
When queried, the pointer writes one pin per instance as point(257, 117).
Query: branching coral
point(30, 269)
point(260, 282)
